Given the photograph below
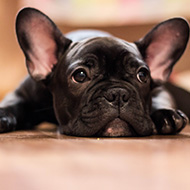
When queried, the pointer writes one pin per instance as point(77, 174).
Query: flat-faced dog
point(91, 83)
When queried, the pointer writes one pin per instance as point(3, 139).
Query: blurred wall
point(12, 63)
point(11, 59)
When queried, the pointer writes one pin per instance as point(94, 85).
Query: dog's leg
point(166, 116)
point(26, 107)
point(181, 97)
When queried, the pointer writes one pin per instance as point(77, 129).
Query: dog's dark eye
point(143, 75)
point(79, 76)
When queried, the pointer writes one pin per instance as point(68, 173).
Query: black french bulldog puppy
point(90, 83)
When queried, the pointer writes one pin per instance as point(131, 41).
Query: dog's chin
point(117, 128)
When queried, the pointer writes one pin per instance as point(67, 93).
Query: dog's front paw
point(169, 121)
point(7, 121)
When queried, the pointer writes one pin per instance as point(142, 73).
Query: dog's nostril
point(111, 97)
point(125, 98)
point(117, 95)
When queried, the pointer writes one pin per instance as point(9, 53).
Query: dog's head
point(101, 86)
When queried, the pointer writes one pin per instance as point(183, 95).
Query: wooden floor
point(44, 160)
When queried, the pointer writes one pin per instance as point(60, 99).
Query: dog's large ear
point(163, 46)
point(41, 41)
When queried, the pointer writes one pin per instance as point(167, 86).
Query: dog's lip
point(116, 128)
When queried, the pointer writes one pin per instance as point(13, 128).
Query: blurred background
point(127, 19)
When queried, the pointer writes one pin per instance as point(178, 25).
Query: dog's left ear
point(41, 41)
point(163, 46)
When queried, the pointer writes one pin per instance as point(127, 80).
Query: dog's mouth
point(117, 128)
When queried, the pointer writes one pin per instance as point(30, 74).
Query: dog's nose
point(117, 96)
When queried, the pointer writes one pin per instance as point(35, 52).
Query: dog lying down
point(90, 83)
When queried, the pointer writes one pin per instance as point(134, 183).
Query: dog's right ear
point(162, 47)
point(41, 41)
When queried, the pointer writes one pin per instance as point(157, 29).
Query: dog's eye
point(79, 76)
point(143, 75)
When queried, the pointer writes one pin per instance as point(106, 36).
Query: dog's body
point(93, 84)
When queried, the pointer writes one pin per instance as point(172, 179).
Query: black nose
point(117, 96)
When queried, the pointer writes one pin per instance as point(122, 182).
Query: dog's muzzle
point(117, 98)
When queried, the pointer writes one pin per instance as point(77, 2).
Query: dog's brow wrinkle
point(73, 65)
point(76, 62)
point(90, 60)
point(73, 44)
point(130, 46)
